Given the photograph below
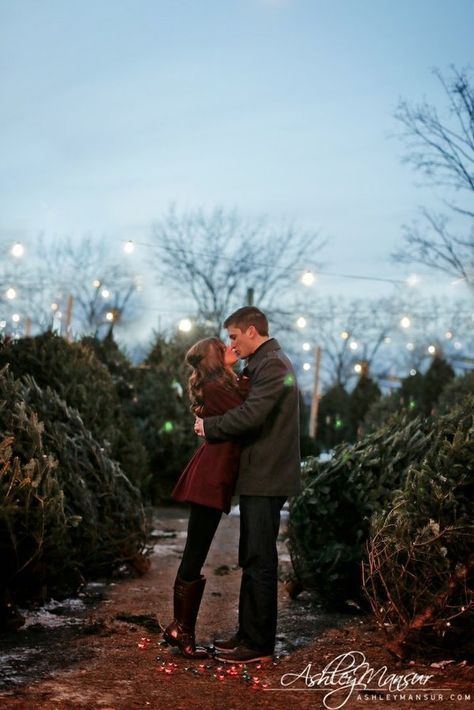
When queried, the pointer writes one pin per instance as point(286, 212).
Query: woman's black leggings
point(202, 526)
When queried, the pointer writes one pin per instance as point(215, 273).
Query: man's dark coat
point(268, 421)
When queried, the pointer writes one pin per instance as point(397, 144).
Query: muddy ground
point(104, 650)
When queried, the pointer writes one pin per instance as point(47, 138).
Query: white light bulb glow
point(17, 250)
point(185, 325)
point(308, 278)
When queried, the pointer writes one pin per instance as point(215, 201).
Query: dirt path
point(112, 657)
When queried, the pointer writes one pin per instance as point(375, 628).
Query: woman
point(207, 483)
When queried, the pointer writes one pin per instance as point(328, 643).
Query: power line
point(222, 257)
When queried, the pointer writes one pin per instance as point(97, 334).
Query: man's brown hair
point(244, 317)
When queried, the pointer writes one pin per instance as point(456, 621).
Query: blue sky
point(113, 109)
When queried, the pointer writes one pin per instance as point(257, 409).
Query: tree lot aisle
point(113, 661)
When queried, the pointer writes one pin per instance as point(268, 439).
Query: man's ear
point(251, 331)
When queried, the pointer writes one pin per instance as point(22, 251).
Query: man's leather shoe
point(227, 644)
point(242, 654)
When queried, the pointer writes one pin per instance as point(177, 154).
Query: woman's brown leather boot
point(186, 600)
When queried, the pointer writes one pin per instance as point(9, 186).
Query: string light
point(306, 347)
point(458, 345)
point(10, 293)
point(431, 349)
point(212, 256)
point(344, 335)
point(96, 283)
point(54, 306)
point(413, 372)
point(15, 318)
point(308, 278)
point(353, 345)
point(105, 293)
point(185, 325)
point(301, 322)
point(412, 280)
point(17, 250)
point(405, 322)
point(109, 316)
point(306, 366)
point(410, 346)
point(358, 368)
point(129, 247)
point(448, 335)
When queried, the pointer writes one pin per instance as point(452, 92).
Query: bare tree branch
point(215, 258)
point(442, 150)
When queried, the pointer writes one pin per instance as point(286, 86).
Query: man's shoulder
point(274, 360)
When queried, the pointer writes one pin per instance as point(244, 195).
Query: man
point(268, 423)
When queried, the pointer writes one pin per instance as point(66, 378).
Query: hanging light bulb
point(405, 322)
point(306, 366)
point(306, 347)
point(185, 325)
point(412, 280)
point(308, 278)
point(301, 322)
point(129, 247)
point(17, 250)
point(10, 293)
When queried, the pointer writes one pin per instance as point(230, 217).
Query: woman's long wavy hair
point(206, 358)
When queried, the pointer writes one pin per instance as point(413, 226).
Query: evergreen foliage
point(67, 511)
point(85, 383)
point(418, 394)
point(330, 520)
point(162, 412)
point(334, 425)
point(420, 571)
point(456, 392)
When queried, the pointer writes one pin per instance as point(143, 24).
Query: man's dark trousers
point(259, 524)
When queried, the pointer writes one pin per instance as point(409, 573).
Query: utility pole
point(313, 419)
point(67, 325)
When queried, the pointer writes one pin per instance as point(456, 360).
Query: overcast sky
point(112, 109)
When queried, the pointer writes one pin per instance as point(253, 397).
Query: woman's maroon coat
point(210, 476)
